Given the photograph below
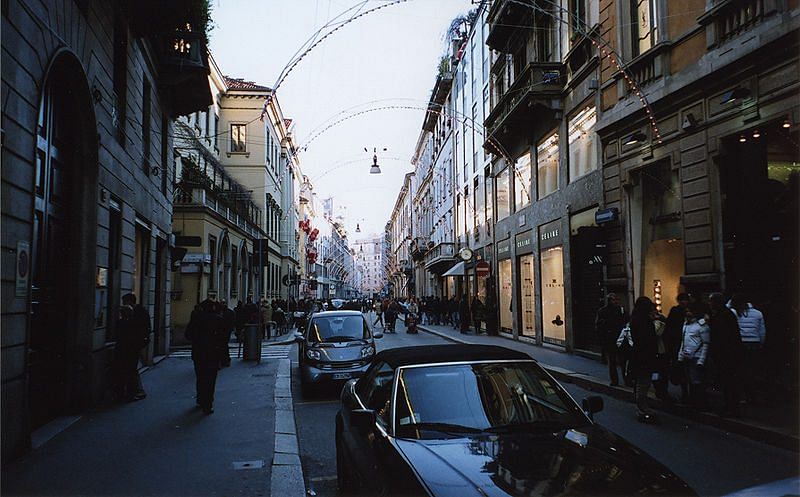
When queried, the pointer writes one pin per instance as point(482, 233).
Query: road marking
point(316, 402)
point(267, 352)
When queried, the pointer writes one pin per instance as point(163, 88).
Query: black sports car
point(482, 421)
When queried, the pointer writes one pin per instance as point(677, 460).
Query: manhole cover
point(241, 465)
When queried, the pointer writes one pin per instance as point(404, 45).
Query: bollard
point(252, 342)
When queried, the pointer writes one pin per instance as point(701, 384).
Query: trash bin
point(252, 342)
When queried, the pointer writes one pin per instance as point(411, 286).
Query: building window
point(208, 126)
point(146, 118)
point(582, 143)
point(552, 261)
point(547, 165)
point(503, 194)
point(643, 26)
point(212, 249)
point(120, 105)
point(522, 181)
point(546, 36)
point(488, 194)
point(165, 151)
point(238, 138)
point(577, 18)
point(216, 133)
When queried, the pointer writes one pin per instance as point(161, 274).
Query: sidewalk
point(164, 445)
point(775, 425)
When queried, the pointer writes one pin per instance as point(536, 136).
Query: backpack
point(625, 339)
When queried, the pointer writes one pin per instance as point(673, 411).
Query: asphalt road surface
point(712, 461)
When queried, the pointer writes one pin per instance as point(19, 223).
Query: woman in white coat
point(694, 350)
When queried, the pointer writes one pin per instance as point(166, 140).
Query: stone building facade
point(89, 89)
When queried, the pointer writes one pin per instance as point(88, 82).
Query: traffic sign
point(482, 269)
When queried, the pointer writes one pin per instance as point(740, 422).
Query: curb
point(287, 472)
point(752, 431)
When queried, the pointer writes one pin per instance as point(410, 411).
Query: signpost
point(482, 269)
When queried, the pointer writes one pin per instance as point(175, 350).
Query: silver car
point(335, 346)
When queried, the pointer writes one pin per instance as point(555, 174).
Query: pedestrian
point(392, 312)
point(229, 318)
point(490, 309)
point(661, 374)
point(478, 314)
point(378, 313)
point(206, 332)
point(753, 332)
point(694, 351)
point(644, 353)
point(266, 319)
point(463, 312)
point(608, 323)
point(452, 307)
point(673, 333)
point(241, 320)
point(279, 316)
point(726, 352)
point(133, 334)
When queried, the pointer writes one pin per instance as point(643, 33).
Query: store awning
point(456, 270)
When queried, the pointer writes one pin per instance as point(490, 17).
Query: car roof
point(333, 314)
point(431, 354)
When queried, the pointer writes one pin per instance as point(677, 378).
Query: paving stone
point(284, 423)
point(287, 481)
point(282, 459)
point(286, 444)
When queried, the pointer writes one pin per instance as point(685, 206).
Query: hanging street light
point(375, 169)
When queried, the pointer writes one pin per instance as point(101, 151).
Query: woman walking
point(645, 351)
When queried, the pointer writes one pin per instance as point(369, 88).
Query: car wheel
point(344, 478)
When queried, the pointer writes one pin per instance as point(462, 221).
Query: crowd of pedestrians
point(700, 343)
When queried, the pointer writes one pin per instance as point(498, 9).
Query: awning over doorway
point(456, 270)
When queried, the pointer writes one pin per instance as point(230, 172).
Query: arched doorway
point(64, 244)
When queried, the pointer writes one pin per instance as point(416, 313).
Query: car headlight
point(313, 354)
point(367, 351)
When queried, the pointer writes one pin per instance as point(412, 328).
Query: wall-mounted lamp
point(737, 93)
point(742, 139)
point(635, 138)
point(756, 134)
point(786, 123)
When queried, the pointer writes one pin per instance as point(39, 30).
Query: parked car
point(475, 420)
point(335, 346)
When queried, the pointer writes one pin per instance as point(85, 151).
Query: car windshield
point(338, 329)
point(452, 400)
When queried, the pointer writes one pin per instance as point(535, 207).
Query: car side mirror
point(298, 337)
point(591, 405)
point(377, 334)
point(363, 420)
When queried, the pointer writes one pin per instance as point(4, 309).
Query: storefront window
point(527, 303)
point(503, 209)
point(506, 318)
point(582, 143)
point(522, 181)
point(547, 165)
point(553, 295)
point(489, 199)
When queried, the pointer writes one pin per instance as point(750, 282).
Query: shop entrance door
point(49, 343)
point(527, 302)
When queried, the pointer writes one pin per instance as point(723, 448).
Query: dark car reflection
point(485, 421)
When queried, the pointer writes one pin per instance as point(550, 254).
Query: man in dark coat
point(463, 313)
point(610, 320)
point(645, 352)
point(478, 314)
point(133, 334)
point(726, 351)
point(207, 332)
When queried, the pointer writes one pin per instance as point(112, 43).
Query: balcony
point(440, 257)
point(728, 19)
point(505, 18)
point(534, 97)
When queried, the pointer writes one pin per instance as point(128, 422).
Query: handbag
point(625, 339)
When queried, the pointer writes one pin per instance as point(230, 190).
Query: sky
point(387, 58)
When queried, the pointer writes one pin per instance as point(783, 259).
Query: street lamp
point(375, 169)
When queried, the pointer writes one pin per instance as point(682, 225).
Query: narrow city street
point(711, 460)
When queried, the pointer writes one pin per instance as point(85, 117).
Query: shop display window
point(527, 303)
point(506, 288)
point(503, 207)
point(582, 143)
point(547, 165)
point(553, 315)
point(522, 181)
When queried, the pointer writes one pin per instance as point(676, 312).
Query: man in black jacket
point(610, 320)
point(133, 334)
point(207, 332)
point(726, 351)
